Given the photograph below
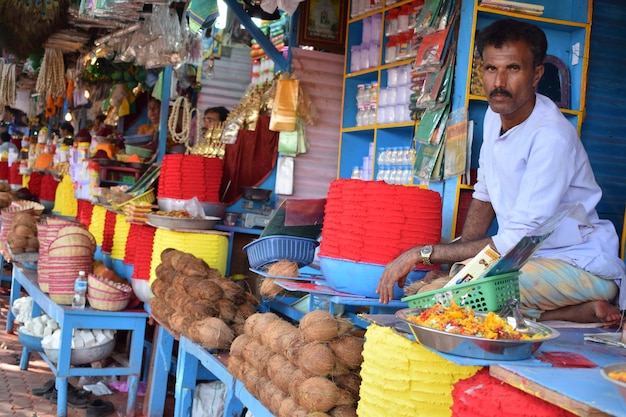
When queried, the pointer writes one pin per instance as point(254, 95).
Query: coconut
point(316, 359)
point(237, 328)
point(251, 378)
point(344, 325)
point(288, 407)
point(162, 270)
point(269, 289)
point(24, 231)
point(348, 350)
point(292, 351)
point(261, 323)
point(350, 382)
point(179, 321)
point(251, 298)
point(196, 266)
point(226, 309)
point(206, 290)
point(167, 255)
point(435, 284)
point(271, 396)
point(297, 378)
point(343, 411)
point(213, 333)
point(275, 330)
point(339, 369)
point(345, 398)
point(283, 268)
point(234, 366)
point(280, 372)
point(244, 311)
point(318, 325)
point(286, 333)
point(317, 394)
point(232, 291)
point(198, 310)
point(251, 322)
point(257, 355)
point(317, 414)
point(238, 345)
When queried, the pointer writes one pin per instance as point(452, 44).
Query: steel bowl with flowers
point(460, 331)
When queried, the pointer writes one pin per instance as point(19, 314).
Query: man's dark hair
point(221, 110)
point(101, 117)
point(5, 137)
point(67, 126)
point(510, 30)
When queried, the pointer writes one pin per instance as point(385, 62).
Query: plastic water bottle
point(80, 291)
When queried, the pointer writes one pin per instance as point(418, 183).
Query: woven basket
point(108, 304)
point(105, 288)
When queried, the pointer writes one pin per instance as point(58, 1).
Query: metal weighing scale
point(258, 206)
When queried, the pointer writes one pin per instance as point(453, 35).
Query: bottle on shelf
point(80, 291)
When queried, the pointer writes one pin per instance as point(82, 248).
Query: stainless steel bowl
point(82, 356)
point(616, 367)
point(478, 347)
point(179, 223)
point(210, 209)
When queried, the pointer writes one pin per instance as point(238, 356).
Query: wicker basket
point(108, 304)
point(101, 287)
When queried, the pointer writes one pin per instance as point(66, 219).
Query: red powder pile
point(4, 170)
point(187, 176)
point(34, 183)
point(485, 396)
point(14, 174)
point(374, 222)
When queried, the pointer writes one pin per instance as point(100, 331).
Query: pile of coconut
point(194, 299)
point(22, 238)
point(310, 370)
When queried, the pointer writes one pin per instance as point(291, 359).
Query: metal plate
point(477, 347)
point(178, 223)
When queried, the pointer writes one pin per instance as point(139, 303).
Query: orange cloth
point(44, 161)
point(109, 148)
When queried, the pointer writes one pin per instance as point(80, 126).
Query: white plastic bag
point(209, 399)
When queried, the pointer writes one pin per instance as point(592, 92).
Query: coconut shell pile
point(193, 299)
point(312, 369)
point(22, 238)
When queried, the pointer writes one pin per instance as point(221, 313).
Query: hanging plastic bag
point(284, 175)
point(285, 107)
point(293, 143)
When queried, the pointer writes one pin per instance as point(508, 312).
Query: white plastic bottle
point(80, 291)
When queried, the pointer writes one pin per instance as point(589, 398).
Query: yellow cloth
point(402, 378)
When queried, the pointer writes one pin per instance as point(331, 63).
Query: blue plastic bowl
point(33, 343)
point(359, 278)
point(275, 248)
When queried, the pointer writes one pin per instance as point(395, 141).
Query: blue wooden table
point(582, 391)
point(70, 319)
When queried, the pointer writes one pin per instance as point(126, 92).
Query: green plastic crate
point(482, 294)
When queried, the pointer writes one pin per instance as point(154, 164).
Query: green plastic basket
point(141, 152)
point(482, 294)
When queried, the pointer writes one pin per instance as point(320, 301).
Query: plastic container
point(482, 294)
point(275, 248)
point(358, 278)
point(80, 291)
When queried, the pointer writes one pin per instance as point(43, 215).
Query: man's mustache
point(500, 91)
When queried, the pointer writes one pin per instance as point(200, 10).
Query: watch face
point(427, 250)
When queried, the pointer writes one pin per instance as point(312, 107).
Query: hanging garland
point(181, 136)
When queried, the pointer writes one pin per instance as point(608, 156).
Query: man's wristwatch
point(425, 253)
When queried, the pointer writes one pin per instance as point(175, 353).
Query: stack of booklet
point(514, 6)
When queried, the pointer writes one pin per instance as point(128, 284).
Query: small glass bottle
point(80, 291)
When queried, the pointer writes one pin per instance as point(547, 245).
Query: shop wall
point(231, 80)
point(321, 76)
point(604, 128)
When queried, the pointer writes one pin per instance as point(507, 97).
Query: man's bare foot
point(589, 312)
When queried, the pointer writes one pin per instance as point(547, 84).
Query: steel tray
point(179, 223)
point(477, 347)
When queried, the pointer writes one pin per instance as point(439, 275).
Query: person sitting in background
point(98, 123)
point(66, 131)
point(213, 116)
point(154, 117)
point(6, 145)
point(531, 164)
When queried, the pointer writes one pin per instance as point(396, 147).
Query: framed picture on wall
point(322, 25)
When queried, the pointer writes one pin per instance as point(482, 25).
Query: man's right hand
point(396, 272)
